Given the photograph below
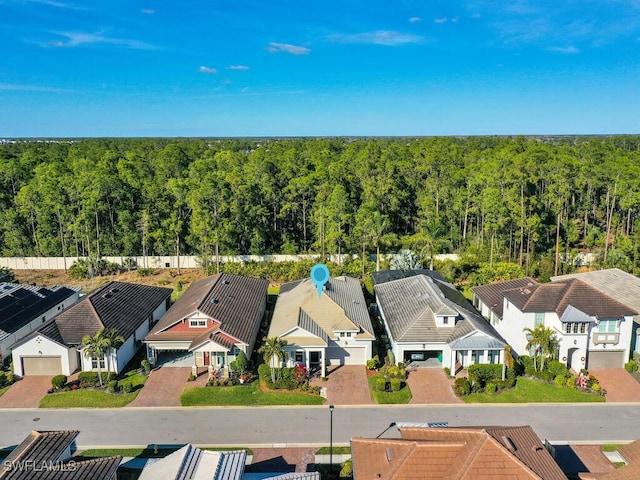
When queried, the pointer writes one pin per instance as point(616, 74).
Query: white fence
point(169, 261)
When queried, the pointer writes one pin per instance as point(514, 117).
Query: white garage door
point(605, 360)
point(42, 365)
point(346, 356)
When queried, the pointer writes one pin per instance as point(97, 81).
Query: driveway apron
point(619, 384)
point(430, 386)
point(346, 385)
point(27, 392)
point(164, 387)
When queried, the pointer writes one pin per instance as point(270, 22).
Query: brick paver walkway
point(282, 460)
point(431, 385)
point(346, 385)
point(164, 387)
point(619, 384)
point(26, 393)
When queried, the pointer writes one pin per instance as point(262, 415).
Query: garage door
point(42, 365)
point(346, 356)
point(605, 360)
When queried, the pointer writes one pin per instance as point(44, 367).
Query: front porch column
point(501, 356)
point(322, 365)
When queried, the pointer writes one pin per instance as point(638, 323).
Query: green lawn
point(336, 451)
point(90, 398)
point(534, 391)
point(244, 395)
point(4, 389)
point(612, 447)
point(401, 396)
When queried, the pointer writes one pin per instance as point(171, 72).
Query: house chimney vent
point(389, 453)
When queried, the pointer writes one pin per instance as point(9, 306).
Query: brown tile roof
point(455, 453)
point(631, 471)
point(41, 456)
point(235, 301)
point(557, 296)
point(119, 305)
point(492, 295)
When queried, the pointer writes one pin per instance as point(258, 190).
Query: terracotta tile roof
point(119, 305)
point(235, 301)
point(46, 450)
point(455, 453)
point(631, 471)
point(492, 295)
point(557, 296)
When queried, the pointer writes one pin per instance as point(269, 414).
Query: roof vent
point(226, 282)
point(214, 301)
point(107, 295)
point(508, 443)
point(537, 448)
point(114, 290)
point(390, 455)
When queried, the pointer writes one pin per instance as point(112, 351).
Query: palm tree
point(115, 341)
point(545, 342)
point(96, 346)
point(272, 351)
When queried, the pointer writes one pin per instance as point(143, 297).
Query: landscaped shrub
point(596, 387)
point(191, 377)
point(347, 469)
point(59, 381)
point(146, 366)
point(447, 371)
point(90, 379)
point(3, 379)
point(482, 373)
point(113, 386)
point(491, 387)
point(381, 384)
point(299, 374)
point(631, 367)
point(560, 380)
point(396, 383)
point(461, 387)
point(556, 368)
point(571, 382)
point(127, 387)
point(396, 371)
point(240, 363)
point(145, 272)
point(373, 363)
point(10, 378)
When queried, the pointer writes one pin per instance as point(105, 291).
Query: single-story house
point(333, 328)
point(56, 347)
point(210, 323)
point(47, 455)
point(428, 321)
point(455, 453)
point(24, 308)
point(592, 329)
point(630, 454)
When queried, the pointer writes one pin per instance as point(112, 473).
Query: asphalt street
point(290, 426)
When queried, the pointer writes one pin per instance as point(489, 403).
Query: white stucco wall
point(45, 347)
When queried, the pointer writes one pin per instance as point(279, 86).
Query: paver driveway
point(26, 393)
point(619, 384)
point(430, 385)
point(346, 385)
point(164, 387)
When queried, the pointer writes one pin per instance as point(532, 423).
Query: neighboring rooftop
point(20, 304)
point(233, 300)
point(455, 453)
point(46, 455)
point(492, 295)
point(631, 471)
point(389, 275)
point(119, 305)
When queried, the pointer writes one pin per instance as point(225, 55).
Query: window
point(342, 334)
point(567, 328)
point(94, 363)
point(348, 334)
point(445, 320)
point(608, 325)
point(43, 319)
point(197, 323)
point(539, 318)
point(299, 358)
point(583, 327)
point(575, 328)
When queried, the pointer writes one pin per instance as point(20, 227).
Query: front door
point(314, 360)
point(206, 358)
point(220, 359)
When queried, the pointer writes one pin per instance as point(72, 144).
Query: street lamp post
point(331, 439)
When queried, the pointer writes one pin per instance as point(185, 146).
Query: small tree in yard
point(273, 352)
point(115, 341)
point(96, 347)
point(544, 341)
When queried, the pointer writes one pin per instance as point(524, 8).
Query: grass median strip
point(244, 395)
point(534, 391)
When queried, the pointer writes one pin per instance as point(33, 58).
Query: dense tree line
point(501, 199)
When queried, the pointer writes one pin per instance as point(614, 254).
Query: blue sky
point(71, 68)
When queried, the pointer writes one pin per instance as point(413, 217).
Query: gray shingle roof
point(384, 276)
point(347, 293)
point(119, 305)
point(235, 301)
point(410, 304)
point(46, 449)
point(306, 322)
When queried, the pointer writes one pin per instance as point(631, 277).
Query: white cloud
point(415, 19)
point(380, 37)
point(570, 50)
point(210, 70)
point(439, 20)
point(148, 11)
point(238, 67)
point(75, 39)
point(275, 47)
point(53, 3)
